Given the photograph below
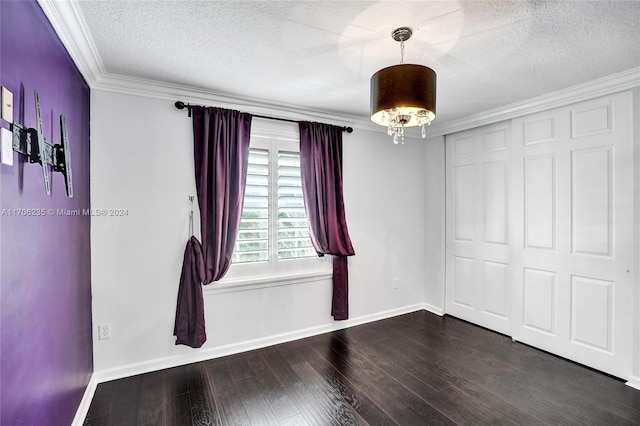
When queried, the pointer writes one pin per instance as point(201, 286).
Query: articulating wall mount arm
point(32, 143)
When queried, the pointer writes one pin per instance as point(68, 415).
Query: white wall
point(141, 161)
point(434, 224)
point(635, 381)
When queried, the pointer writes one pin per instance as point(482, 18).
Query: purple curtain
point(321, 170)
point(221, 154)
point(189, 326)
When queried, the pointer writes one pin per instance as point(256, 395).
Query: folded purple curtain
point(321, 172)
point(189, 326)
point(221, 155)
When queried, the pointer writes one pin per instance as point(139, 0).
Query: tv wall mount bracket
point(32, 143)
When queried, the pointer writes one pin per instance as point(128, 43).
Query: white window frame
point(274, 136)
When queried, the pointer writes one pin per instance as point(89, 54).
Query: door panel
point(463, 190)
point(539, 307)
point(540, 230)
point(495, 203)
point(572, 178)
point(478, 288)
point(592, 312)
point(591, 184)
point(463, 290)
point(539, 202)
point(495, 289)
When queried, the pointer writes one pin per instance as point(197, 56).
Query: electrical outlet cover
point(7, 105)
point(104, 331)
point(6, 147)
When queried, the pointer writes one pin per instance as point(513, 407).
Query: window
point(252, 244)
point(293, 229)
point(279, 207)
point(273, 239)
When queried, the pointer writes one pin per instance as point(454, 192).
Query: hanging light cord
point(402, 50)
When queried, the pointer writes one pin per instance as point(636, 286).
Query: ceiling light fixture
point(403, 95)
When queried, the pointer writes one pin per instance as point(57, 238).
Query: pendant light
point(403, 95)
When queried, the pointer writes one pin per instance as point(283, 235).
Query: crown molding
point(194, 95)
point(70, 26)
point(601, 87)
point(68, 22)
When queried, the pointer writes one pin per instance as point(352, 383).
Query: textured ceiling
point(321, 54)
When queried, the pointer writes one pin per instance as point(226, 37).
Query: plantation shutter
point(293, 230)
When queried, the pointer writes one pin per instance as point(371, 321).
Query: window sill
point(252, 283)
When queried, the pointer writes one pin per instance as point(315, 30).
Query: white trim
point(252, 283)
point(67, 20)
point(443, 227)
point(603, 86)
point(635, 267)
point(69, 24)
point(85, 403)
point(195, 95)
point(433, 309)
point(634, 382)
point(206, 354)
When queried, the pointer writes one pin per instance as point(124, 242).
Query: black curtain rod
point(182, 105)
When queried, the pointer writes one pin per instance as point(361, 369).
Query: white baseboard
point(206, 354)
point(634, 382)
point(433, 309)
point(203, 355)
point(85, 403)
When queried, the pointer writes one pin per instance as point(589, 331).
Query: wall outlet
point(396, 283)
point(104, 331)
point(7, 105)
point(6, 147)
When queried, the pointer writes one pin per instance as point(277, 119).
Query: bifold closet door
point(478, 288)
point(573, 232)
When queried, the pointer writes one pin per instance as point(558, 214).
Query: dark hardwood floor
point(414, 369)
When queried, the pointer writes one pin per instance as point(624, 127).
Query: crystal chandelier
point(403, 95)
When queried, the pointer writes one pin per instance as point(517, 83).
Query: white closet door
point(478, 288)
point(573, 232)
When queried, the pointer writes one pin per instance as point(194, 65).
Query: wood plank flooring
point(414, 369)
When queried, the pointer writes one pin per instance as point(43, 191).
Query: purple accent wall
point(46, 356)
